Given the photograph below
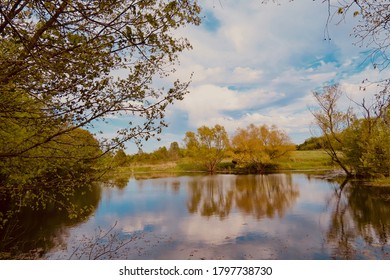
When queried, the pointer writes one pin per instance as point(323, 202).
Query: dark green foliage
point(120, 158)
point(313, 143)
point(367, 147)
point(26, 237)
point(50, 173)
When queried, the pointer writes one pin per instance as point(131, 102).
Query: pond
point(274, 216)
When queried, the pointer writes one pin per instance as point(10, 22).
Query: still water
point(275, 216)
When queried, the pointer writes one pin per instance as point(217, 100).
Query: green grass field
point(307, 160)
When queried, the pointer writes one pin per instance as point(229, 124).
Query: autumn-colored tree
point(208, 146)
point(258, 147)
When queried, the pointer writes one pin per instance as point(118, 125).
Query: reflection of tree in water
point(175, 186)
point(32, 232)
point(257, 195)
point(121, 182)
point(265, 195)
point(211, 195)
point(359, 213)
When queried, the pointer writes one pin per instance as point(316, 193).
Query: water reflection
point(210, 196)
point(257, 195)
point(360, 218)
point(275, 216)
point(33, 232)
point(266, 195)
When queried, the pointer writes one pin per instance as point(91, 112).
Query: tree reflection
point(121, 182)
point(30, 232)
point(257, 195)
point(265, 195)
point(210, 195)
point(358, 212)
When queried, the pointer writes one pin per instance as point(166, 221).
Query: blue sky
point(256, 63)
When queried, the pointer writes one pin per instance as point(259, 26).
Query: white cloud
point(261, 63)
point(209, 103)
point(247, 75)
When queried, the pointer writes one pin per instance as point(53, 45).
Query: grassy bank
point(298, 161)
point(317, 161)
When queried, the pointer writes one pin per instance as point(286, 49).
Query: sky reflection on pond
point(275, 216)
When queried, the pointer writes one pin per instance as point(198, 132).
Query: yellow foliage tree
point(258, 147)
point(208, 146)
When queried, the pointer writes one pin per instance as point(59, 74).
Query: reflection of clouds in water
point(267, 238)
point(306, 186)
point(135, 209)
point(215, 231)
point(140, 223)
point(277, 216)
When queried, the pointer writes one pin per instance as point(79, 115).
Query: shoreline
point(321, 173)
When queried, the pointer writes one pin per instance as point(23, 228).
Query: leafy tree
point(367, 147)
point(120, 158)
point(58, 60)
point(332, 122)
point(66, 65)
point(258, 147)
point(174, 151)
point(208, 146)
point(161, 154)
point(49, 175)
point(359, 146)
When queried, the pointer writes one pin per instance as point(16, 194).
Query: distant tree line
point(253, 149)
point(162, 154)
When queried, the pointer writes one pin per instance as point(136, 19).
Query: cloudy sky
point(256, 63)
